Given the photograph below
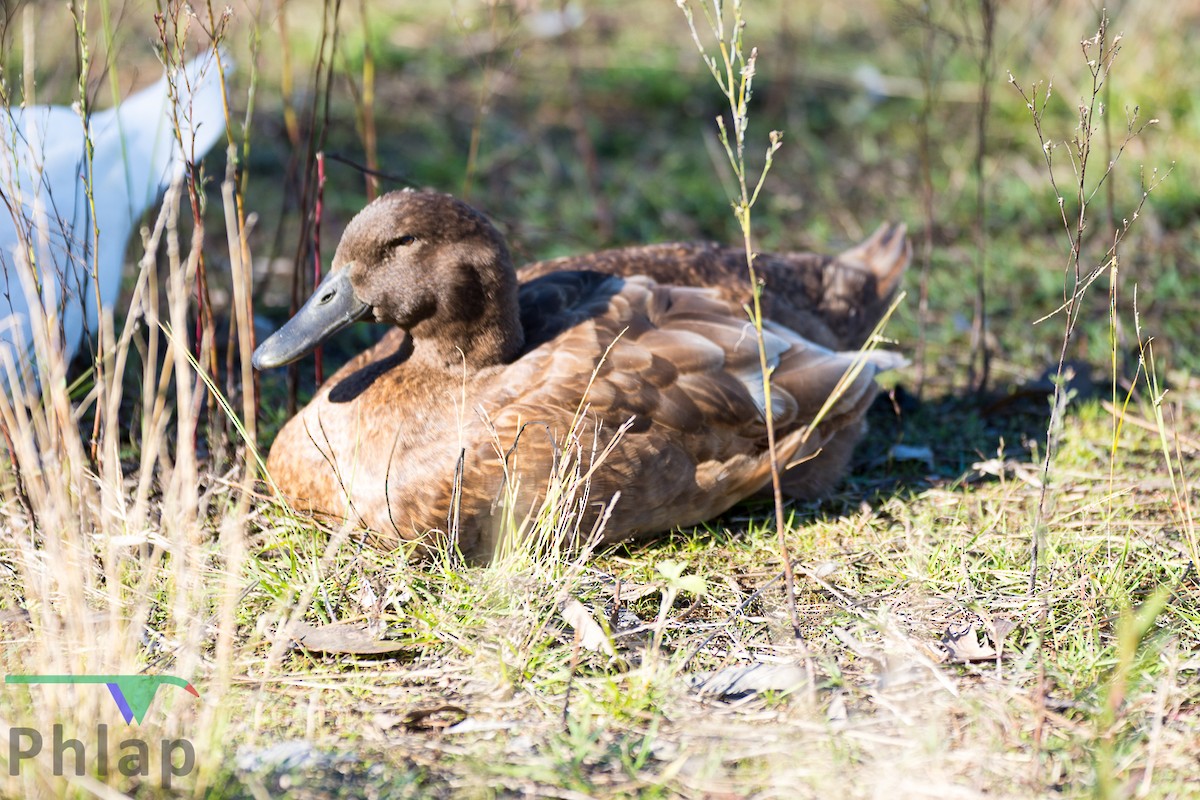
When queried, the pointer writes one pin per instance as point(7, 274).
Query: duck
point(136, 156)
point(450, 430)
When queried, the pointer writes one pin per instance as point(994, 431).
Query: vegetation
point(1002, 600)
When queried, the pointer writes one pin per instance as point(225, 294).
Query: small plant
point(676, 582)
point(1100, 53)
point(933, 49)
point(1133, 628)
point(733, 70)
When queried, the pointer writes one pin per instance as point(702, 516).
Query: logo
point(133, 693)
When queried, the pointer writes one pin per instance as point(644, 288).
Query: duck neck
point(477, 323)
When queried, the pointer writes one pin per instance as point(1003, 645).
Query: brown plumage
point(834, 301)
point(487, 387)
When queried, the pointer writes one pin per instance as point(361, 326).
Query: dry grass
point(938, 671)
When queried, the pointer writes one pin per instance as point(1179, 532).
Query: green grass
point(489, 692)
point(893, 576)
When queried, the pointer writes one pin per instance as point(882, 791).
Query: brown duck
point(650, 391)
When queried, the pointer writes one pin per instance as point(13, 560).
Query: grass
point(892, 578)
point(491, 690)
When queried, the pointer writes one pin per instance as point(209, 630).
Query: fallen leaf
point(1002, 468)
point(591, 635)
point(356, 638)
point(837, 709)
point(631, 592)
point(825, 569)
point(434, 717)
point(752, 679)
point(909, 452)
point(963, 644)
point(999, 629)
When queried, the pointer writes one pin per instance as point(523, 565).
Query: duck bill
point(332, 307)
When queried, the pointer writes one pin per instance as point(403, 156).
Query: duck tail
point(882, 360)
point(815, 457)
point(885, 254)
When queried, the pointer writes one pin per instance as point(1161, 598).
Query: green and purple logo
point(132, 693)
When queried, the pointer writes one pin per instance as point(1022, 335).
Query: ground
point(928, 665)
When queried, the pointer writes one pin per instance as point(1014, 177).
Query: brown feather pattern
point(483, 379)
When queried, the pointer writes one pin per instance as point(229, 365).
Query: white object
point(45, 211)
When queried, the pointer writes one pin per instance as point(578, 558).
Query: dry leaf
point(591, 635)
point(1000, 468)
point(752, 679)
point(356, 638)
point(825, 569)
point(999, 629)
point(963, 644)
point(908, 452)
point(434, 718)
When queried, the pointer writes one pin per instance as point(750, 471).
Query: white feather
point(46, 213)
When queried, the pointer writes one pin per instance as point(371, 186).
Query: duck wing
point(835, 301)
point(552, 303)
point(657, 398)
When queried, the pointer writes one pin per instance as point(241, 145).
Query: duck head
point(424, 262)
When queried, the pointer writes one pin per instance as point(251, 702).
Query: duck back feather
point(835, 301)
